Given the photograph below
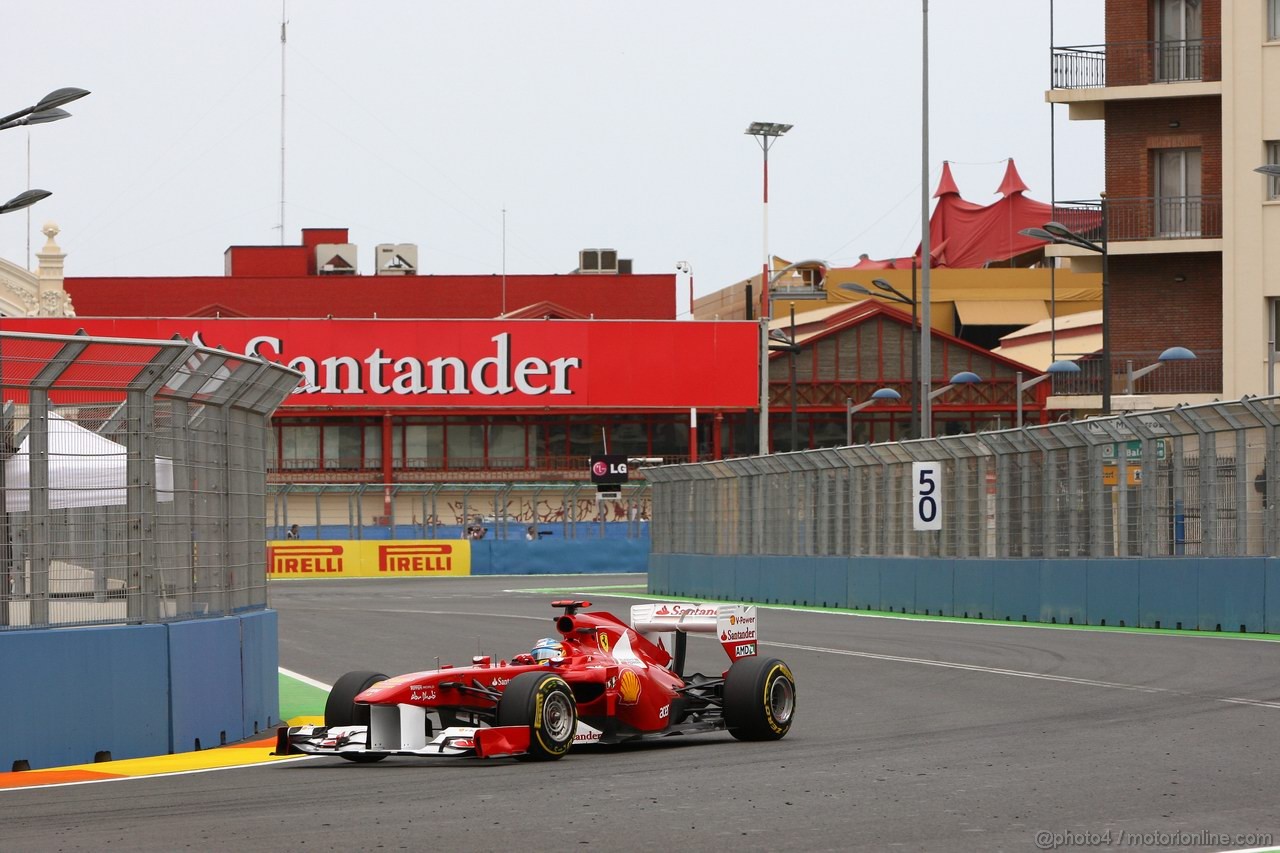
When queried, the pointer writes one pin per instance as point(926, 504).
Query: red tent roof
point(965, 235)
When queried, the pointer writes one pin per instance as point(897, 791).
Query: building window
point(1273, 20)
point(300, 447)
point(1273, 157)
point(1179, 45)
point(423, 445)
point(342, 447)
point(1178, 192)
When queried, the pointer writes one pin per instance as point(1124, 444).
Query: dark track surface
point(1130, 733)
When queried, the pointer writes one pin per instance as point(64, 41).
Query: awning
point(1015, 312)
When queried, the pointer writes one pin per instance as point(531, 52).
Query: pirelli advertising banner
point(489, 364)
point(342, 558)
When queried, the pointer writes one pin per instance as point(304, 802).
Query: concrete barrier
point(1227, 594)
point(70, 696)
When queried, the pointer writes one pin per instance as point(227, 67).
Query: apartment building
point(1192, 234)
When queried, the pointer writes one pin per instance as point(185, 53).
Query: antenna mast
point(284, 25)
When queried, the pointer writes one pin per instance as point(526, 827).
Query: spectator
point(293, 533)
point(531, 533)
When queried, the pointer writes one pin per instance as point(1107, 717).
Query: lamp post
point(1058, 368)
point(43, 111)
point(897, 296)
point(850, 409)
point(766, 133)
point(1056, 232)
point(684, 268)
point(1171, 354)
point(764, 350)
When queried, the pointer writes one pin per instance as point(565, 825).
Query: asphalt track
point(910, 735)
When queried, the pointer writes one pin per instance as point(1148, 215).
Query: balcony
point(1137, 63)
point(1151, 218)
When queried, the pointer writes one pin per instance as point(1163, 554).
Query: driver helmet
point(547, 650)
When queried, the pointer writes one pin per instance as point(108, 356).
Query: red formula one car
point(606, 682)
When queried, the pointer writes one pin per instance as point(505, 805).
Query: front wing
point(452, 742)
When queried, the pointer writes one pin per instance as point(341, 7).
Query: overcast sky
point(593, 123)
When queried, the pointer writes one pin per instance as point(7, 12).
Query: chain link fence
point(133, 482)
point(1190, 481)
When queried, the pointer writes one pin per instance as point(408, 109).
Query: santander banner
point(475, 363)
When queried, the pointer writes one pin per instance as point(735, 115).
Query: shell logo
point(733, 620)
point(602, 640)
point(628, 687)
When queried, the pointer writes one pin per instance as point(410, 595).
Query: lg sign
point(609, 468)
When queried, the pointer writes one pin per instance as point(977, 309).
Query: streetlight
point(766, 133)
point(1171, 354)
point(898, 296)
point(1058, 368)
point(964, 377)
point(764, 350)
point(24, 199)
point(1056, 232)
point(48, 103)
point(850, 409)
point(684, 268)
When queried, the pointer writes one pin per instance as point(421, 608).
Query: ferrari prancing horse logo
point(602, 639)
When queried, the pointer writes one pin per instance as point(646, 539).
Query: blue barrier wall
point(1228, 594)
point(136, 690)
point(69, 694)
point(558, 556)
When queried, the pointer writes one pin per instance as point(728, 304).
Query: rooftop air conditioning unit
point(598, 261)
point(336, 258)
point(396, 259)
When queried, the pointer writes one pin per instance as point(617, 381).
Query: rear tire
point(340, 709)
point(759, 699)
point(543, 701)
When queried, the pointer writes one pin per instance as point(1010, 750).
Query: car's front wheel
point(341, 709)
point(543, 701)
point(759, 699)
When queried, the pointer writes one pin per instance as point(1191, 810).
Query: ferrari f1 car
point(608, 682)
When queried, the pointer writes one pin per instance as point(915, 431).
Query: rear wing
point(733, 624)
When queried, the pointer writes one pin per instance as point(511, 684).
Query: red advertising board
point(491, 364)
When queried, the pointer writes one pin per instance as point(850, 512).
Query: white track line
point(1086, 682)
point(311, 682)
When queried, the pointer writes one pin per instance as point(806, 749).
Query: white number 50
point(926, 501)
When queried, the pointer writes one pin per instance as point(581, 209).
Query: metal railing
point(133, 480)
point(447, 510)
point(1144, 218)
point(1185, 481)
point(1136, 63)
point(1201, 376)
point(430, 468)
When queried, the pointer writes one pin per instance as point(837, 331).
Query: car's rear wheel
point(759, 699)
point(543, 701)
point(340, 709)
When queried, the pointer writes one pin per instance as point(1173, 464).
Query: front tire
point(341, 709)
point(543, 701)
point(759, 699)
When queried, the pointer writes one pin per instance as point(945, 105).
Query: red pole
point(693, 435)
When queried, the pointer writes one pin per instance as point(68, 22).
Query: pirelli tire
point(543, 701)
point(759, 699)
point(340, 709)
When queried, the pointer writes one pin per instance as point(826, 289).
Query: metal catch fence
point(133, 480)
point(1187, 481)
